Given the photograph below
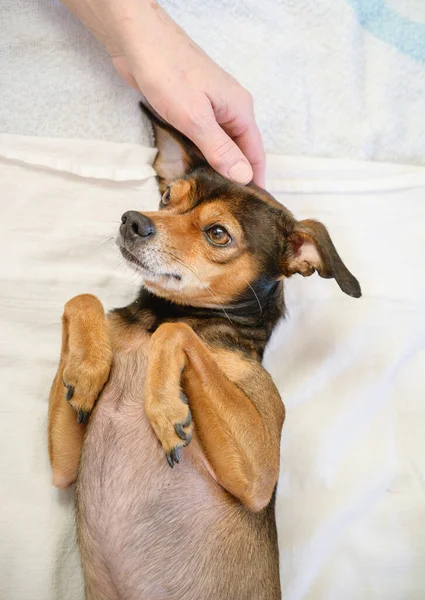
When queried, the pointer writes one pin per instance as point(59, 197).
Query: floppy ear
point(309, 249)
point(177, 155)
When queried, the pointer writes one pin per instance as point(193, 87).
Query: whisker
point(179, 250)
point(206, 287)
point(119, 262)
point(107, 241)
point(247, 282)
point(133, 275)
point(256, 297)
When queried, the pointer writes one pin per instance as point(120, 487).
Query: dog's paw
point(84, 381)
point(171, 421)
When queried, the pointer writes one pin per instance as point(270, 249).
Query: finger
point(219, 149)
point(241, 126)
point(251, 144)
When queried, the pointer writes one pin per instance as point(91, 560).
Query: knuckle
point(244, 99)
point(196, 116)
point(247, 98)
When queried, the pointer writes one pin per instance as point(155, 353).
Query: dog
point(175, 380)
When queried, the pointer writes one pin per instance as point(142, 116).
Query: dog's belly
point(151, 532)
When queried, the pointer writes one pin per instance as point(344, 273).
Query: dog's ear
point(177, 155)
point(309, 248)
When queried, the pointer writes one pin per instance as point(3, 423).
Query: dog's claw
point(188, 419)
point(69, 392)
point(82, 416)
point(175, 454)
point(189, 439)
point(179, 430)
point(173, 457)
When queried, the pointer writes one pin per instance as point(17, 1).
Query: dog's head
point(213, 239)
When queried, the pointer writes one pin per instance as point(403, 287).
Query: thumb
point(218, 148)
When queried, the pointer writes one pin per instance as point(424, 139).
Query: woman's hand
point(189, 90)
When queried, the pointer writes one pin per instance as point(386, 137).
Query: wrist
point(114, 23)
point(134, 24)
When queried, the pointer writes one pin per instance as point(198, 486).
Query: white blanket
point(350, 505)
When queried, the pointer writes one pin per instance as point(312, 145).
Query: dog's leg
point(84, 367)
point(237, 410)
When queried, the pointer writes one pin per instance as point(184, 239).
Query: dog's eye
point(166, 197)
point(218, 235)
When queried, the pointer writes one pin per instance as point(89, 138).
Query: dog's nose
point(136, 226)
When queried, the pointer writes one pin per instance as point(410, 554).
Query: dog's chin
point(153, 278)
point(165, 284)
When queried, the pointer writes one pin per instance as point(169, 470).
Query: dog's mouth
point(146, 269)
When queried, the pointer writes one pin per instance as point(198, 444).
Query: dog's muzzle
point(136, 227)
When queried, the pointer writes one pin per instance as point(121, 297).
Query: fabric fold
point(84, 158)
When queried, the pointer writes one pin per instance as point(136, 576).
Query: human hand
point(182, 84)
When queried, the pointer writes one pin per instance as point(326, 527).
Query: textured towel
point(341, 78)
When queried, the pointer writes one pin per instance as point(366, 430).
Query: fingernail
point(240, 172)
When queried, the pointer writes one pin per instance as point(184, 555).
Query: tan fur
point(238, 416)
point(84, 364)
point(237, 451)
point(180, 195)
point(166, 370)
point(178, 236)
point(215, 398)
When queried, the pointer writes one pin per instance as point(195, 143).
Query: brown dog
point(182, 382)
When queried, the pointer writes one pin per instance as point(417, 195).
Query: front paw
point(171, 420)
point(84, 382)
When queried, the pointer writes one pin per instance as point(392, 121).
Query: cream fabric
point(350, 504)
